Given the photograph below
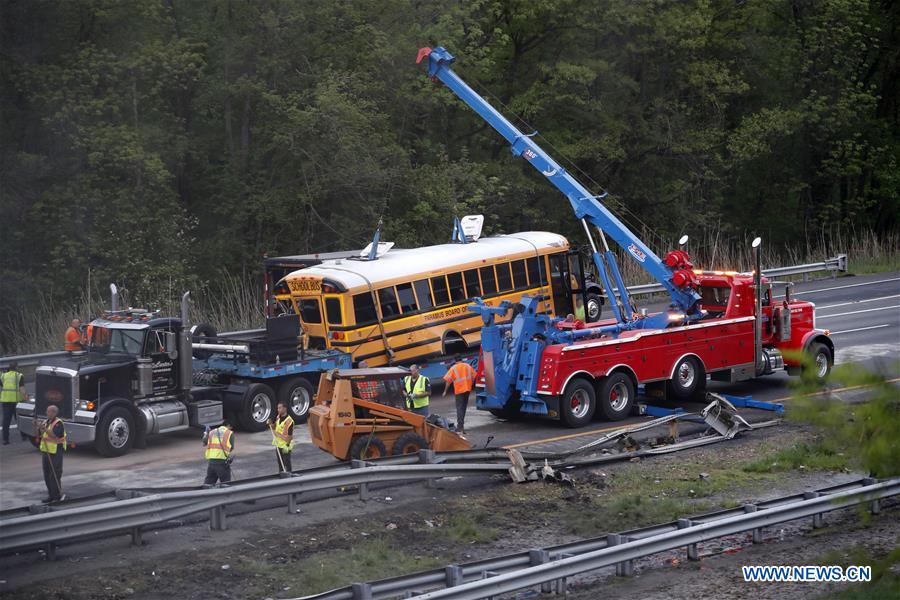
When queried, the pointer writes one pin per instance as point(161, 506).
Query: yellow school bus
point(411, 305)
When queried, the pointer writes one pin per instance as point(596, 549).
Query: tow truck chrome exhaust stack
point(185, 362)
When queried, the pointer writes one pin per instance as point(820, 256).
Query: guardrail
point(130, 515)
point(550, 567)
point(834, 265)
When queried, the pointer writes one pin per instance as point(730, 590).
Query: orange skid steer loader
point(360, 413)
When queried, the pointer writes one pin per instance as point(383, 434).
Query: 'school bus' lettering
point(305, 286)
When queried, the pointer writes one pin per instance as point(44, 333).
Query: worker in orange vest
point(74, 339)
point(462, 376)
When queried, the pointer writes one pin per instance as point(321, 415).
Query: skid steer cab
point(360, 414)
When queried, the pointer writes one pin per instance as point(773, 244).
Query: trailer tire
point(257, 407)
point(366, 447)
point(616, 397)
point(688, 380)
point(578, 403)
point(199, 332)
point(115, 432)
point(594, 307)
point(297, 394)
point(409, 443)
point(821, 361)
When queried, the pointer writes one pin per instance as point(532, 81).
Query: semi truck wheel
point(409, 443)
point(297, 393)
point(115, 432)
point(577, 406)
point(594, 308)
point(257, 407)
point(820, 363)
point(689, 379)
point(616, 396)
point(365, 447)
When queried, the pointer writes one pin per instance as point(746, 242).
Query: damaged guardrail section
point(550, 567)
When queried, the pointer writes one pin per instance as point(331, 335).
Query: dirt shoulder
point(275, 555)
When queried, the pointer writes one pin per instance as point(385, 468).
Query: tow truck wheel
point(366, 447)
point(577, 406)
point(297, 393)
point(689, 379)
point(616, 396)
point(257, 408)
point(409, 443)
point(821, 362)
point(594, 308)
point(115, 432)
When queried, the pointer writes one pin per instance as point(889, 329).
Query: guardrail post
point(453, 575)
point(426, 456)
point(51, 551)
point(217, 519)
point(875, 505)
point(363, 487)
point(623, 569)
point(539, 557)
point(136, 539)
point(692, 551)
point(818, 518)
point(362, 591)
point(293, 503)
point(562, 584)
point(757, 533)
point(485, 575)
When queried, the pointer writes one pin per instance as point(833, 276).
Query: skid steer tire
point(409, 443)
point(365, 447)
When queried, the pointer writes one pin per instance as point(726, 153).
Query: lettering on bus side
point(442, 314)
point(306, 286)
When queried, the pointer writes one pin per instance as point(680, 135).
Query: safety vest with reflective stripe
point(462, 376)
point(282, 440)
point(10, 382)
point(217, 444)
point(50, 442)
point(418, 392)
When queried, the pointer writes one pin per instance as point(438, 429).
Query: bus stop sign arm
point(673, 274)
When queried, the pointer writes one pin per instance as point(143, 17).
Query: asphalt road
point(863, 314)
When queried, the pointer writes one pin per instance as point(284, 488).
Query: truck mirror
point(171, 344)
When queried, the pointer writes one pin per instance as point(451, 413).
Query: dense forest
point(161, 143)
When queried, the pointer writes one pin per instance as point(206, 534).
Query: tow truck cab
point(133, 380)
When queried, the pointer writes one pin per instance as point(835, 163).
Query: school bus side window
point(406, 297)
point(534, 271)
point(441, 294)
point(333, 311)
point(423, 293)
point(387, 297)
point(473, 288)
point(456, 287)
point(488, 281)
point(364, 308)
point(518, 269)
point(504, 280)
point(309, 311)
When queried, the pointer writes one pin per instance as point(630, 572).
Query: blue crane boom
point(672, 274)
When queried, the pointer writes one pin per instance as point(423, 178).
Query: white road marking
point(856, 312)
point(860, 329)
point(841, 287)
point(818, 308)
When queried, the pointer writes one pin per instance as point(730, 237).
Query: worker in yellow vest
point(462, 377)
point(50, 438)
point(12, 391)
point(219, 454)
point(418, 391)
point(283, 437)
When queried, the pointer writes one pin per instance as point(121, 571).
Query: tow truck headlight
point(85, 405)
